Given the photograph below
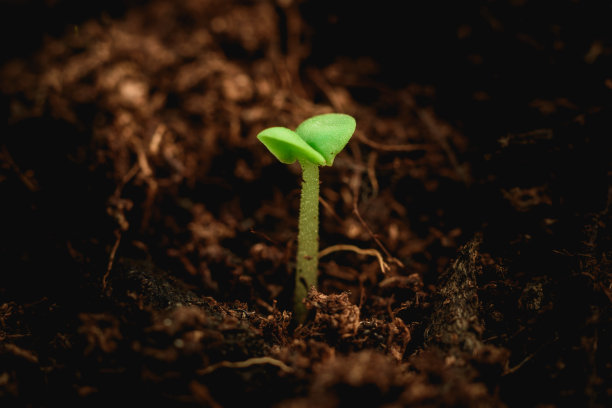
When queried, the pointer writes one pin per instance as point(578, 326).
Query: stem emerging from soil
point(308, 238)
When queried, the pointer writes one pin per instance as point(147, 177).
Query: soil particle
point(455, 322)
point(334, 316)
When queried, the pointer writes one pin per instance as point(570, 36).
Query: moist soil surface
point(148, 238)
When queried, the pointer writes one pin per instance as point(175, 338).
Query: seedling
point(314, 143)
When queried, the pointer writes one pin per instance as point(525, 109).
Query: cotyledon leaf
point(287, 146)
point(327, 133)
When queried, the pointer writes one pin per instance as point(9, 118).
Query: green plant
point(314, 143)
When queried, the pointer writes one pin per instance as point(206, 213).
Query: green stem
point(308, 238)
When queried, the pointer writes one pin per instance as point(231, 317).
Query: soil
point(148, 238)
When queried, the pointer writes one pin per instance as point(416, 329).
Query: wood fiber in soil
point(148, 238)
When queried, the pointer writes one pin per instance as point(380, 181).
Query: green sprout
point(314, 143)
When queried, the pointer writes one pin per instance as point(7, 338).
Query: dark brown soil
point(148, 238)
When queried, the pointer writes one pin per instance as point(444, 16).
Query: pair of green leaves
point(317, 140)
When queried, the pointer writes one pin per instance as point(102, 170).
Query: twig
point(330, 209)
point(246, 363)
point(390, 148)
point(510, 370)
point(111, 259)
point(519, 365)
point(372, 172)
point(384, 267)
point(264, 236)
point(27, 179)
point(375, 238)
point(157, 138)
point(23, 353)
